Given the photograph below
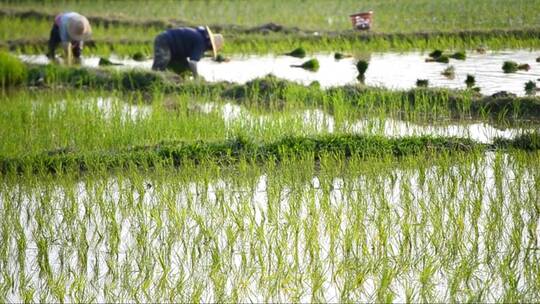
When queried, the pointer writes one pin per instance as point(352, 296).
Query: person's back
point(71, 30)
point(180, 49)
point(187, 42)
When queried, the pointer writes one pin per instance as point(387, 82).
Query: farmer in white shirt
point(70, 30)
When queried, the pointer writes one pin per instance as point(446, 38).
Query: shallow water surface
point(391, 70)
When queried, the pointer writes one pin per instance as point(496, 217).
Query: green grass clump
point(239, 148)
point(529, 141)
point(107, 62)
point(339, 56)
point(97, 78)
point(538, 59)
point(220, 58)
point(138, 56)
point(458, 56)
point(361, 67)
point(436, 54)
point(441, 59)
point(422, 83)
point(298, 53)
point(512, 67)
point(310, 65)
point(470, 81)
point(12, 70)
point(530, 87)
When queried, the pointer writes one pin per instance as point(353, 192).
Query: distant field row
point(389, 15)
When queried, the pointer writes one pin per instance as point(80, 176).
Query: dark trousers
point(55, 40)
point(163, 58)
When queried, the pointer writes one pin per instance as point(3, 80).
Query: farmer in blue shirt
point(179, 49)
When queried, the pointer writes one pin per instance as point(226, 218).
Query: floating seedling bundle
point(310, 65)
point(512, 67)
point(107, 62)
point(439, 56)
point(298, 53)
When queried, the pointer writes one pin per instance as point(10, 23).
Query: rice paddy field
point(401, 164)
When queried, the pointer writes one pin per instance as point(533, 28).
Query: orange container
point(362, 21)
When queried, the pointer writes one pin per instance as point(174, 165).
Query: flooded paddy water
point(390, 70)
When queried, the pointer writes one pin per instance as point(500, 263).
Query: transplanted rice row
point(81, 122)
point(271, 90)
point(344, 146)
point(279, 43)
point(454, 228)
point(390, 16)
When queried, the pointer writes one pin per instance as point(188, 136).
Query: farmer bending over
point(70, 30)
point(180, 49)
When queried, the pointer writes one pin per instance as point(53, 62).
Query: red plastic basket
point(362, 20)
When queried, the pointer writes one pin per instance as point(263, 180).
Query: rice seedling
point(424, 229)
point(422, 83)
point(339, 56)
point(470, 81)
point(449, 72)
point(310, 65)
point(435, 54)
point(12, 70)
point(298, 52)
point(458, 55)
point(138, 56)
point(512, 67)
point(220, 58)
point(107, 62)
point(530, 87)
point(361, 67)
point(441, 59)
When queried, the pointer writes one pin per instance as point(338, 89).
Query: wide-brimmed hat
point(216, 40)
point(78, 28)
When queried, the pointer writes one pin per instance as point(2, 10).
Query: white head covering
point(78, 28)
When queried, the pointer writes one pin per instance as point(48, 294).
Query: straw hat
point(216, 40)
point(78, 28)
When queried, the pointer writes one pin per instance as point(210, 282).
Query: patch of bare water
point(390, 70)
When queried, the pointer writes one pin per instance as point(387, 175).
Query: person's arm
point(196, 55)
point(67, 52)
point(193, 67)
point(76, 49)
